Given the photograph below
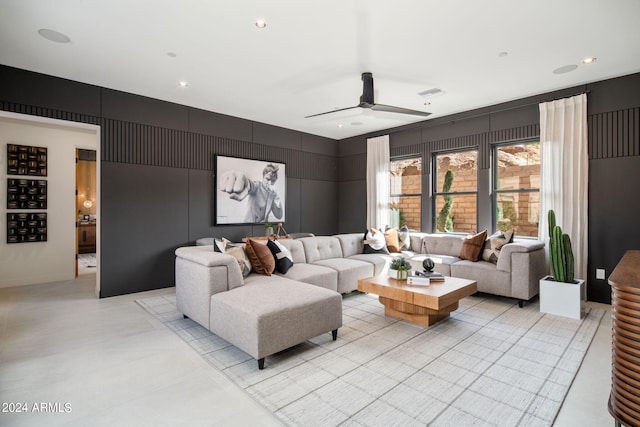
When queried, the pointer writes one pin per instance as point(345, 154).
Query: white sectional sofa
point(262, 314)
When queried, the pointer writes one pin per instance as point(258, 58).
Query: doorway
point(86, 208)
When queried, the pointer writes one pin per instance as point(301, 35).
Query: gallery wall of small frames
point(26, 193)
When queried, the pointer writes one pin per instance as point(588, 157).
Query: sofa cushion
point(282, 256)
point(313, 274)
point(441, 244)
point(349, 271)
point(270, 314)
point(261, 257)
point(351, 243)
point(489, 278)
point(380, 261)
point(472, 246)
point(321, 247)
point(442, 263)
point(295, 248)
point(374, 242)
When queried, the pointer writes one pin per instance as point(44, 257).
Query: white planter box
point(562, 299)
point(394, 274)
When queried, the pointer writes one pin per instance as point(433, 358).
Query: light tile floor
point(96, 362)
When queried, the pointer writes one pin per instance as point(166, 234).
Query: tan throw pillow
point(261, 257)
point(393, 242)
point(472, 246)
point(238, 252)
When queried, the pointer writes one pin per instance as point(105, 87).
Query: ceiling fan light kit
point(367, 101)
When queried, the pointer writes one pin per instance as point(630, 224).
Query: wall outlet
point(600, 274)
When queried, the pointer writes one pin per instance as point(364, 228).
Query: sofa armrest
point(520, 246)
point(201, 273)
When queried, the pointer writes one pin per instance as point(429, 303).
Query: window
point(516, 187)
point(405, 192)
point(456, 191)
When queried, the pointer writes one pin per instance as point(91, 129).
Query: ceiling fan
point(366, 101)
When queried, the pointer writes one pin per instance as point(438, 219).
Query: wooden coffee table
point(424, 305)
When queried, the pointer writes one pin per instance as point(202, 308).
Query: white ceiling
point(310, 56)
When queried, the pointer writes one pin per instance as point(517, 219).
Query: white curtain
point(378, 182)
point(564, 173)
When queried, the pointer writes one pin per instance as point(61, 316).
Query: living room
point(157, 161)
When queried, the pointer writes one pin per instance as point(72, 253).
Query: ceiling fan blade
point(400, 110)
point(332, 111)
point(366, 101)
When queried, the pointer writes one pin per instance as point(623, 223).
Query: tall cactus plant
point(562, 266)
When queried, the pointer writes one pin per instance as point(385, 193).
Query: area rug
point(86, 260)
point(490, 363)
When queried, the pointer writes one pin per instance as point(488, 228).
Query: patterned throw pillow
point(283, 258)
point(239, 253)
point(220, 245)
point(261, 257)
point(374, 242)
point(225, 246)
point(494, 243)
point(472, 246)
point(404, 238)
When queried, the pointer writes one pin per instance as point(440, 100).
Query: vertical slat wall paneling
point(634, 132)
point(352, 167)
point(614, 134)
point(621, 134)
point(124, 142)
point(483, 141)
point(49, 113)
point(409, 150)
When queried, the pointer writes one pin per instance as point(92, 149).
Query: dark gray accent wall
point(144, 218)
point(614, 204)
point(614, 165)
point(157, 179)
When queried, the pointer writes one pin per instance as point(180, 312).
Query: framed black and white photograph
point(249, 191)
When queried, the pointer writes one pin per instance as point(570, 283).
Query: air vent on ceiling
point(431, 93)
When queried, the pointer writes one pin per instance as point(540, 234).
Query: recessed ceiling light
point(182, 83)
point(588, 60)
point(340, 125)
point(261, 23)
point(54, 36)
point(565, 69)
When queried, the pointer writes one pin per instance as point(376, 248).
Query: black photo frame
point(249, 191)
point(25, 227)
point(26, 160)
point(26, 193)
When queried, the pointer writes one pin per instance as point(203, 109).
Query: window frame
point(434, 186)
point(400, 195)
point(494, 180)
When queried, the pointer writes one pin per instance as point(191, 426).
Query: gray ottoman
point(271, 313)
